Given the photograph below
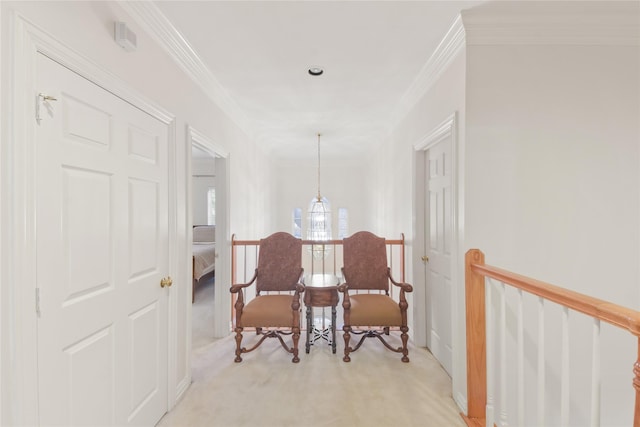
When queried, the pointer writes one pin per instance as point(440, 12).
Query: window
point(211, 206)
point(343, 223)
point(297, 223)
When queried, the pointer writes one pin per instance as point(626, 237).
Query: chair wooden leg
point(238, 342)
point(307, 345)
point(333, 329)
point(405, 338)
point(296, 338)
point(347, 349)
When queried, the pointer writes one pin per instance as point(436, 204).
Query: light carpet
point(267, 389)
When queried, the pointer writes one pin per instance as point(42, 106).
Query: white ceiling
point(260, 51)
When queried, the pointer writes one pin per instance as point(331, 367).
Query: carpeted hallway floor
point(266, 389)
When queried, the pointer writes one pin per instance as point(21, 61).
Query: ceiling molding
point(204, 143)
point(590, 23)
point(448, 49)
point(440, 132)
point(526, 23)
point(158, 26)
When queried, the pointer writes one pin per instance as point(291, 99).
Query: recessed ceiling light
point(316, 71)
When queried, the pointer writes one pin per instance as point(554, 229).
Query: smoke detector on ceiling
point(125, 37)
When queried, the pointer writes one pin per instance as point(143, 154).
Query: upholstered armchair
point(275, 311)
point(369, 311)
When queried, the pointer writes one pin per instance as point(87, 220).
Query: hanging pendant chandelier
point(319, 218)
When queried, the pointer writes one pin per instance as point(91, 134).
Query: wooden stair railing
point(476, 271)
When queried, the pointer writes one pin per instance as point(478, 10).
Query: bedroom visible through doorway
point(203, 200)
point(208, 188)
point(203, 215)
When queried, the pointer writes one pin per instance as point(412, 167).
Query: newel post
point(476, 337)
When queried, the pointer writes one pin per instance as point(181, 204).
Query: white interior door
point(438, 254)
point(102, 249)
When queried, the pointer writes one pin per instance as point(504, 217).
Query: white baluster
point(564, 372)
point(520, 360)
point(490, 310)
point(503, 356)
point(541, 363)
point(595, 375)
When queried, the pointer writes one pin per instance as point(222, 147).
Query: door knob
point(425, 258)
point(166, 282)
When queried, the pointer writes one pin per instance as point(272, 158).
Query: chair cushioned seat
point(374, 310)
point(268, 310)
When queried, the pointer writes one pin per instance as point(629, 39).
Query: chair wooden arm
point(295, 302)
point(237, 287)
point(346, 302)
point(404, 286)
point(344, 287)
point(300, 286)
point(299, 290)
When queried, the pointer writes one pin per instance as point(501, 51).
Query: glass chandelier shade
point(319, 219)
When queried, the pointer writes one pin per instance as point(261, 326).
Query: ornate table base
point(327, 334)
point(321, 290)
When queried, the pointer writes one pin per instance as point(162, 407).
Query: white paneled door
point(102, 250)
point(438, 242)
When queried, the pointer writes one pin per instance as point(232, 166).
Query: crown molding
point(158, 26)
point(526, 23)
point(589, 23)
point(448, 49)
point(205, 143)
point(437, 134)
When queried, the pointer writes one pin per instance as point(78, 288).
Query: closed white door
point(102, 249)
point(437, 259)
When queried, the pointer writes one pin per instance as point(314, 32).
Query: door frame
point(19, 324)
point(222, 298)
point(448, 128)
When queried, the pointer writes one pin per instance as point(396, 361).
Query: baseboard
point(461, 401)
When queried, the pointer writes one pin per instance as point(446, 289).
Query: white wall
point(552, 174)
point(342, 183)
point(552, 177)
point(87, 28)
point(553, 161)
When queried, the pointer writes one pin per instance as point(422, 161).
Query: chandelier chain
point(319, 197)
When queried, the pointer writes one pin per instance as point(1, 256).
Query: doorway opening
point(203, 220)
point(208, 219)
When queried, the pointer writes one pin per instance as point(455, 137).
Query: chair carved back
point(365, 262)
point(279, 263)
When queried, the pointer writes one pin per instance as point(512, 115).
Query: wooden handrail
point(476, 271)
point(614, 314)
point(314, 242)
